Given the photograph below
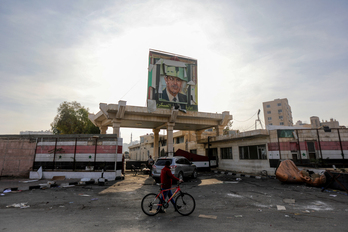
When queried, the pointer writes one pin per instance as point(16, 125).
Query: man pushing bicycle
point(166, 180)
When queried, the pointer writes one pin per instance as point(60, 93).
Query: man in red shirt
point(166, 180)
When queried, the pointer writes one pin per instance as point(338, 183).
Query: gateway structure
point(120, 115)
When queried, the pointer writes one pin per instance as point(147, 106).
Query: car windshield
point(162, 162)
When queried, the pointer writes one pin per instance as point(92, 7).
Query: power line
point(245, 120)
point(130, 89)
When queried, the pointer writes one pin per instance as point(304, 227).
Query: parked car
point(180, 167)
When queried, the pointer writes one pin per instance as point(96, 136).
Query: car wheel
point(194, 174)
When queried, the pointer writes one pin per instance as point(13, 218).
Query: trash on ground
point(28, 181)
point(208, 216)
point(7, 191)
point(231, 182)
point(84, 195)
point(94, 199)
point(333, 195)
point(58, 178)
point(64, 185)
point(281, 207)
point(238, 216)
point(19, 205)
point(238, 179)
point(289, 201)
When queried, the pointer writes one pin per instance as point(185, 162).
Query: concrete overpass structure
point(121, 115)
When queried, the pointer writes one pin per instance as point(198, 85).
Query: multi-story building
point(278, 112)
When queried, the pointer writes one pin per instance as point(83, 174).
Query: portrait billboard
point(172, 81)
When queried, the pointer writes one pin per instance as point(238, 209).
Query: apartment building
point(277, 112)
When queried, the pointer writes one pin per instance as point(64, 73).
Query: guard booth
point(78, 156)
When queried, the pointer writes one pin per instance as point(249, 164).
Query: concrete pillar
point(155, 143)
point(116, 124)
point(170, 144)
point(103, 129)
point(219, 130)
point(198, 135)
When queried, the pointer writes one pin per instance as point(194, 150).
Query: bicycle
point(152, 203)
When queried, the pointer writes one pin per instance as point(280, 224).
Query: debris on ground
point(288, 172)
point(207, 216)
point(289, 201)
point(19, 205)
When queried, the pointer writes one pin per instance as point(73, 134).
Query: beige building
point(277, 112)
point(184, 140)
point(332, 123)
point(315, 123)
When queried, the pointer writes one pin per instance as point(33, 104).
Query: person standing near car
point(149, 164)
point(166, 180)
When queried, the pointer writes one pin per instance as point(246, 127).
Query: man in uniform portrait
point(174, 81)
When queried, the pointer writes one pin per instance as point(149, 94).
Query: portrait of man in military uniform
point(174, 82)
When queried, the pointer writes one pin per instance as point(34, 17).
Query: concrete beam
point(173, 115)
point(121, 109)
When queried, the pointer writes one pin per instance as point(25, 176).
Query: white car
point(180, 167)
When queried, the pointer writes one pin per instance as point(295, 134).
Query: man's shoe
point(161, 211)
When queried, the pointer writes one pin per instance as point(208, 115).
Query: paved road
point(223, 204)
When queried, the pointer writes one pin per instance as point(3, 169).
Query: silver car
point(180, 167)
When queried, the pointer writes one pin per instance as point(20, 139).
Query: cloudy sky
point(248, 52)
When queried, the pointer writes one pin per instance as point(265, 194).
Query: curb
point(243, 175)
point(42, 186)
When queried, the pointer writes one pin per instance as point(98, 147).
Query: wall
point(16, 155)
point(243, 165)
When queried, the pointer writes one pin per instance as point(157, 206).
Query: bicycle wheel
point(185, 204)
point(149, 204)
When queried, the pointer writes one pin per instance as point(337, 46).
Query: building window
point(226, 153)
point(282, 124)
point(180, 139)
point(268, 106)
point(253, 152)
point(268, 112)
point(269, 118)
point(279, 104)
point(280, 111)
point(151, 144)
point(194, 151)
point(270, 124)
point(281, 117)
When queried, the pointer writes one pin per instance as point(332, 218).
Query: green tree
point(228, 128)
point(72, 118)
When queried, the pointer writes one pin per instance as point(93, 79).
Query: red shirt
point(166, 178)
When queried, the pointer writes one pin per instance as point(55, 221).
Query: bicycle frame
point(161, 196)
